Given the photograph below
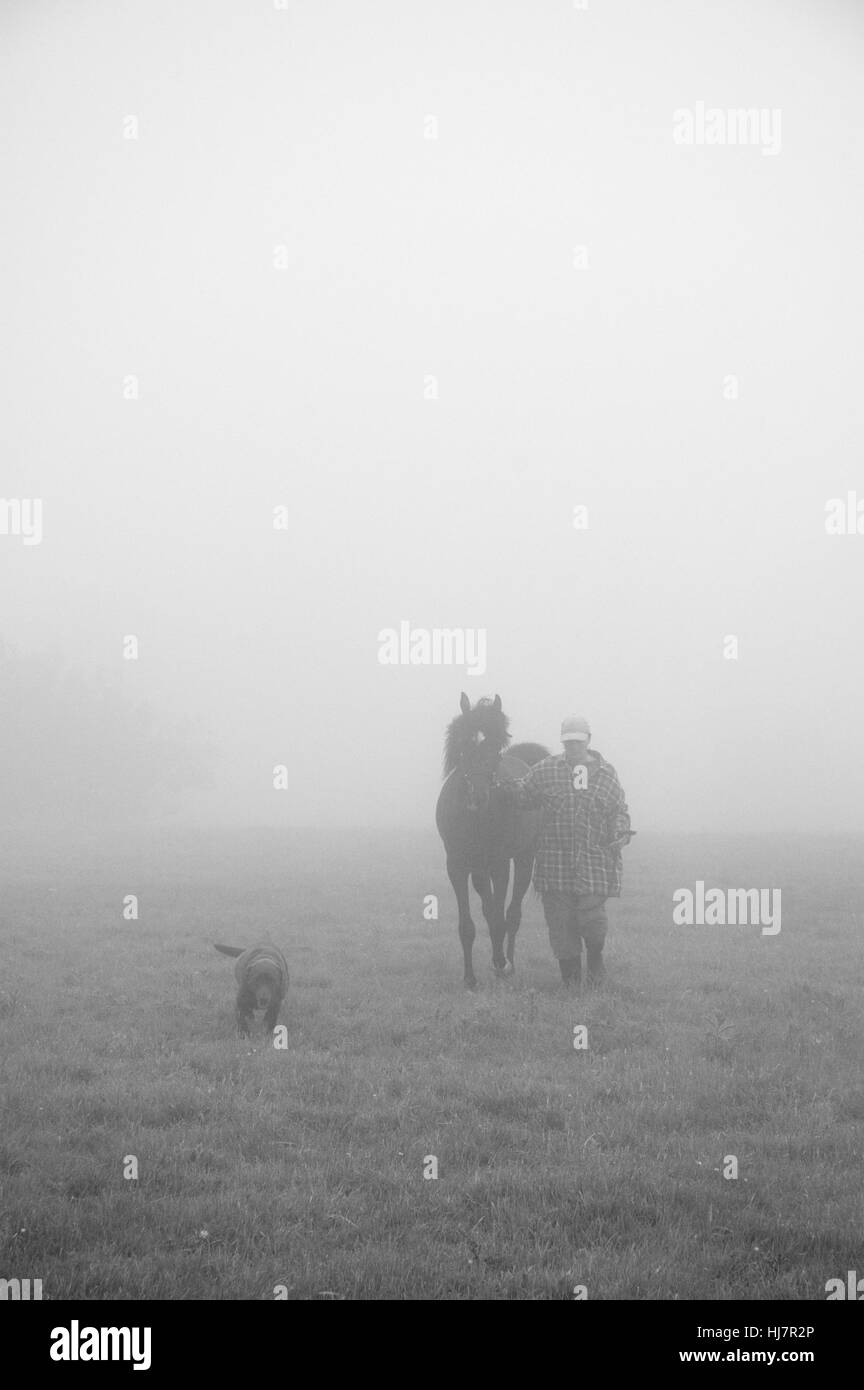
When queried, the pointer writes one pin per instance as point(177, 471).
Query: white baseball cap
point(574, 727)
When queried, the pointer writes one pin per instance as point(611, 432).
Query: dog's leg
point(244, 1013)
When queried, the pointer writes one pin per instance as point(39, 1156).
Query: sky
point(415, 283)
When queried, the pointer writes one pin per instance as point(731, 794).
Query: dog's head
point(263, 986)
point(265, 994)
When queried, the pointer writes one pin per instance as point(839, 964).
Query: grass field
point(304, 1167)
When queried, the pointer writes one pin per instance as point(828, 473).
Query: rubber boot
point(571, 971)
point(596, 970)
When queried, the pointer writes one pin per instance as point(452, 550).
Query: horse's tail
point(529, 753)
point(229, 950)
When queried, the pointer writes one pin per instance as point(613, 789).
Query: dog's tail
point(229, 950)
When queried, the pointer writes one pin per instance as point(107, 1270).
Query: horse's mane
point(483, 720)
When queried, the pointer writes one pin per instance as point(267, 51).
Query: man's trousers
point(573, 918)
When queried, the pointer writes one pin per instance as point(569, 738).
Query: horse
point(482, 833)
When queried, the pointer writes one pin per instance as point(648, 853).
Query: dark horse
point(481, 832)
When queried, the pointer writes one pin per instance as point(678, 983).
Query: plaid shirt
point(578, 827)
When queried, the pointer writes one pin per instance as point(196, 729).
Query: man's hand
point(622, 841)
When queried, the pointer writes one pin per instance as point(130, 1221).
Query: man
point(578, 863)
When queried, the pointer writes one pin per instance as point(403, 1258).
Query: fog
point(323, 319)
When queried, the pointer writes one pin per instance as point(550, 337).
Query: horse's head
point(478, 764)
point(475, 740)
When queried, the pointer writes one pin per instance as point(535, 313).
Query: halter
point(494, 780)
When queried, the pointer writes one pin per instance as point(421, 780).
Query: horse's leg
point(457, 870)
point(483, 887)
point(522, 866)
point(500, 884)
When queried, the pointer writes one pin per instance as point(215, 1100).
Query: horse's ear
point(464, 703)
point(496, 704)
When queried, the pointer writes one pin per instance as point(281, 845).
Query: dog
point(262, 979)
